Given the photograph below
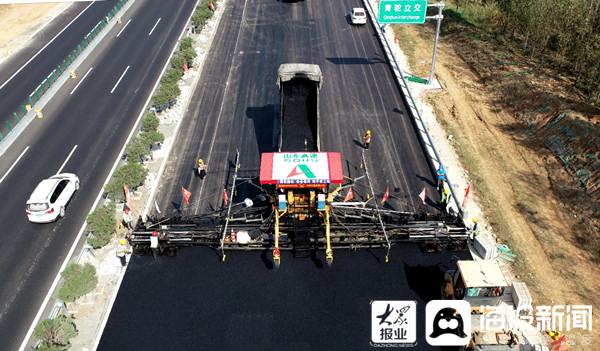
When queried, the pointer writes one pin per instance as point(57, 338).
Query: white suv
point(358, 16)
point(50, 197)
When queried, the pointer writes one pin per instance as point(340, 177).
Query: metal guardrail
point(63, 67)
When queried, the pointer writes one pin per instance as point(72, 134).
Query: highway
point(195, 301)
point(83, 131)
point(236, 105)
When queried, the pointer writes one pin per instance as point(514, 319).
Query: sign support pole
point(439, 16)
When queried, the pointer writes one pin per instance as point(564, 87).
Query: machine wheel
point(276, 263)
point(329, 262)
point(62, 211)
point(76, 186)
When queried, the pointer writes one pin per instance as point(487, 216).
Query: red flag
point(225, 197)
point(468, 189)
point(349, 196)
point(186, 195)
point(386, 195)
point(422, 195)
point(185, 67)
point(561, 344)
point(128, 198)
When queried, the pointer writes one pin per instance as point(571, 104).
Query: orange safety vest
point(368, 138)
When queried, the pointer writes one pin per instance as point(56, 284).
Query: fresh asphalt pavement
point(90, 124)
point(195, 301)
point(236, 105)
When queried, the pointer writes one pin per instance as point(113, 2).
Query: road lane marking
point(125, 26)
point(119, 81)
point(14, 164)
point(89, 70)
point(42, 49)
point(155, 24)
point(68, 157)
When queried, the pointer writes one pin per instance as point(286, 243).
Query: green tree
point(171, 76)
point(136, 150)
point(78, 281)
point(151, 138)
point(54, 334)
point(150, 123)
point(132, 174)
point(101, 223)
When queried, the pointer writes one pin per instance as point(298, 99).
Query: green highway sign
point(402, 11)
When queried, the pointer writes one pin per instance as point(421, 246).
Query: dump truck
point(299, 85)
point(481, 283)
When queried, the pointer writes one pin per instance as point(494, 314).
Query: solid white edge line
point(119, 81)
point(14, 164)
point(155, 24)
point(81, 81)
point(125, 26)
point(68, 157)
point(42, 49)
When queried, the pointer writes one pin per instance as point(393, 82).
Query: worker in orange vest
point(367, 139)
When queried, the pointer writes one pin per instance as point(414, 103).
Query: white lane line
point(42, 49)
point(14, 164)
point(88, 72)
point(119, 81)
point(68, 157)
point(155, 24)
point(125, 26)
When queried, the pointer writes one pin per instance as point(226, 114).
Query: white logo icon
point(448, 322)
point(393, 322)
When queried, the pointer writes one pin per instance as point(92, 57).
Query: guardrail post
point(9, 127)
point(65, 64)
point(24, 109)
point(54, 75)
point(1, 136)
point(75, 53)
point(43, 89)
point(79, 48)
point(59, 70)
point(16, 117)
point(36, 95)
point(48, 81)
point(96, 30)
point(70, 59)
point(30, 102)
point(83, 43)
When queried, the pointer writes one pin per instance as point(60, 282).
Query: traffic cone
point(233, 236)
point(226, 238)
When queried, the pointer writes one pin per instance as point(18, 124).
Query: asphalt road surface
point(83, 130)
point(23, 72)
point(236, 106)
point(195, 301)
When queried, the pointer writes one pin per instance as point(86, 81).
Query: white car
point(358, 15)
point(50, 197)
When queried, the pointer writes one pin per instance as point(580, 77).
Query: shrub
point(171, 76)
point(165, 93)
point(186, 43)
point(132, 174)
point(136, 150)
point(78, 281)
point(201, 15)
point(188, 54)
point(151, 138)
point(177, 62)
point(150, 123)
point(55, 334)
point(101, 223)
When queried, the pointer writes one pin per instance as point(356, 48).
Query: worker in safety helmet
point(441, 177)
point(154, 244)
point(122, 251)
point(445, 199)
point(475, 230)
point(201, 169)
point(367, 139)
